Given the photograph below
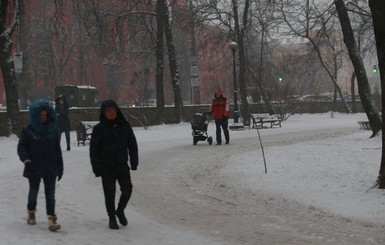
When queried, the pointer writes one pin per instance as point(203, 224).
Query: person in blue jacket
point(39, 150)
point(113, 144)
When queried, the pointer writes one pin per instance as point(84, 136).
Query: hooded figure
point(63, 122)
point(112, 141)
point(220, 111)
point(39, 150)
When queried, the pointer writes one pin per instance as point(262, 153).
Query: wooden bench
point(260, 121)
point(84, 131)
point(364, 125)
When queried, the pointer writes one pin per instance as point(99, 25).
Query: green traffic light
point(374, 68)
point(280, 78)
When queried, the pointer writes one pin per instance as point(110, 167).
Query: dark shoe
point(112, 223)
point(68, 147)
point(121, 217)
point(219, 143)
point(227, 142)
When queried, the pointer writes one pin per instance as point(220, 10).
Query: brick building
point(58, 49)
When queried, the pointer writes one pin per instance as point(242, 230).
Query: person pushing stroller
point(220, 111)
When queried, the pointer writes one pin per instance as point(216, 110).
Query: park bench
point(84, 131)
point(364, 125)
point(262, 121)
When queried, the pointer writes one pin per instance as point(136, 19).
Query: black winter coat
point(63, 123)
point(39, 143)
point(111, 144)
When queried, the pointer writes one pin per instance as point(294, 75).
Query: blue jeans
point(49, 189)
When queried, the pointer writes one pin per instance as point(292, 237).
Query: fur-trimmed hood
point(34, 117)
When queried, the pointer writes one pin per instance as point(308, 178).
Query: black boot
point(68, 147)
point(112, 223)
point(122, 218)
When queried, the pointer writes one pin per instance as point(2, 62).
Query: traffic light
point(374, 68)
point(280, 78)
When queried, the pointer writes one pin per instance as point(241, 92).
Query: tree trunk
point(259, 83)
point(240, 34)
point(195, 94)
point(7, 66)
point(378, 14)
point(173, 65)
point(160, 13)
point(24, 81)
point(370, 108)
point(353, 92)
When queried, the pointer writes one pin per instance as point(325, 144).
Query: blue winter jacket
point(39, 143)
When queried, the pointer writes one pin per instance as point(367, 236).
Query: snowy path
point(184, 189)
point(80, 209)
point(185, 194)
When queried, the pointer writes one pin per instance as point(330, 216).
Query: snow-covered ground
point(316, 190)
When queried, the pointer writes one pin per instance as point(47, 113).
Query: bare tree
point(6, 59)
point(241, 21)
point(233, 17)
point(263, 15)
point(112, 23)
point(160, 12)
point(361, 19)
point(363, 84)
point(378, 14)
point(173, 64)
point(311, 21)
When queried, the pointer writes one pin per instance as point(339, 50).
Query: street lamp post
point(233, 46)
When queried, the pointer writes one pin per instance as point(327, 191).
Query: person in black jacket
point(112, 141)
point(63, 123)
point(39, 150)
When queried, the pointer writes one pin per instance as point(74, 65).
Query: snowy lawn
point(334, 174)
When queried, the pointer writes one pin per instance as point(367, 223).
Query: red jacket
point(219, 107)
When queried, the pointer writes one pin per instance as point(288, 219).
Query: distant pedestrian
point(63, 123)
point(39, 150)
point(220, 111)
point(112, 141)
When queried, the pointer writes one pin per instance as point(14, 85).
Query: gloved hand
point(28, 165)
point(225, 118)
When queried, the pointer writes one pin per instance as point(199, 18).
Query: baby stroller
point(199, 125)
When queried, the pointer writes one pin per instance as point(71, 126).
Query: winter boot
point(112, 223)
point(31, 219)
point(52, 225)
point(68, 147)
point(121, 217)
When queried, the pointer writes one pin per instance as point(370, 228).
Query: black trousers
point(67, 134)
point(109, 188)
point(225, 126)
